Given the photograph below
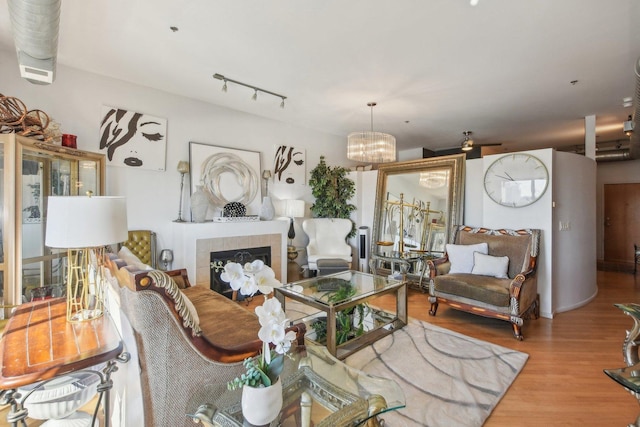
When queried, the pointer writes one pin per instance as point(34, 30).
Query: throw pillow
point(191, 308)
point(461, 256)
point(130, 258)
point(487, 265)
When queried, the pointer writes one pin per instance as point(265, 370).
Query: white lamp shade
point(294, 208)
point(85, 222)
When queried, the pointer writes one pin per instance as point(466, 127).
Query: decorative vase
point(261, 405)
point(199, 204)
point(267, 211)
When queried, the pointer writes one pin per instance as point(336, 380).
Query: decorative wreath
point(218, 164)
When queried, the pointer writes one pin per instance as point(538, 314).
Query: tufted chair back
point(143, 245)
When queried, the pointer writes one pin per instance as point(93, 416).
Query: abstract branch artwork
point(289, 165)
point(133, 139)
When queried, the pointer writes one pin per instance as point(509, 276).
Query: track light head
point(255, 95)
point(282, 103)
point(224, 86)
point(467, 144)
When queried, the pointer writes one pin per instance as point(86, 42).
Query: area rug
point(448, 379)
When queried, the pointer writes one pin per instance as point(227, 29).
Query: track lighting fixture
point(255, 89)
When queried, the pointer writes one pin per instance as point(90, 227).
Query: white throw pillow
point(461, 256)
point(487, 265)
point(130, 258)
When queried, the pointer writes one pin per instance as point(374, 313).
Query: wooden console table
point(39, 344)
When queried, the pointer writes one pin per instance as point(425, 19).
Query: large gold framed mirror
point(417, 204)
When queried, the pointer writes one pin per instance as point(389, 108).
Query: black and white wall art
point(133, 139)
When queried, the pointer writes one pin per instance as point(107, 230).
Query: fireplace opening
point(217, 261)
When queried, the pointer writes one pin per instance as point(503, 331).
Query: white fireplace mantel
point(187, 234)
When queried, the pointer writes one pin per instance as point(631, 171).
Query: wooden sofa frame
point(523, 298)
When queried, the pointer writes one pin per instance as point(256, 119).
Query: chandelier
point(370, 146)
point(434, 179)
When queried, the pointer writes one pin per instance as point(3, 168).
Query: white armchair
point(327, 240)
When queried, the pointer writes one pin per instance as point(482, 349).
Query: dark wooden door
point(621, 221)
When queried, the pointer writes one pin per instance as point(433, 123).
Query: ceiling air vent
point(35, 25)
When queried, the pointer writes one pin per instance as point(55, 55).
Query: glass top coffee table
point(318, 390)
point(345, 322)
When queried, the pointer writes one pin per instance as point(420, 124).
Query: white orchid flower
point(266, 280)
point(233, 275)
point(270, 312)
point(285, 345)
point(272, 333)
point(249, 287)
point(254, 267)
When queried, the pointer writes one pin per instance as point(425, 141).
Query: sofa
point(188, 339)
point(488, 272)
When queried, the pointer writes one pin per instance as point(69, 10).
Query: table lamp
point(84, 226)
point(293, 209)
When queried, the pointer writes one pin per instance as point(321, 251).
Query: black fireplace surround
point(217, 261)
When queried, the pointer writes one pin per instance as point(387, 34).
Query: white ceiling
point(501, 69)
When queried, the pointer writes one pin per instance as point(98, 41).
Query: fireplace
point(218, 259)
point(193, 243)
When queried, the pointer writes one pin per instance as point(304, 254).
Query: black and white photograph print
point(289, 165)
point(133, 139)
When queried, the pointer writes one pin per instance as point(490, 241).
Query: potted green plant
point(348, 325)
point(332, 189)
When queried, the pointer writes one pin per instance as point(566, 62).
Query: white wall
point(537, 215)
point(75, 101)
point(611, 173)
point(566, 264)
point(574, 248)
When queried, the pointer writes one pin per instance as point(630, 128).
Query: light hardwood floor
point(562, 383)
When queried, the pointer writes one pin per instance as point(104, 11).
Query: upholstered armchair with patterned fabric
point(488, 272)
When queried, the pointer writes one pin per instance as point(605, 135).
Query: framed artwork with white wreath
point(227, 175)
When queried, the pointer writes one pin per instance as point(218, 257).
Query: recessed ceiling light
point(174, 29)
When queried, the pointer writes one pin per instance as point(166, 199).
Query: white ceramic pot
point(262, 405)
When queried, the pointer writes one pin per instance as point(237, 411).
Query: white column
point(590, 137)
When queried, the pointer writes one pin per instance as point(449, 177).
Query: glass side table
point(318, 390)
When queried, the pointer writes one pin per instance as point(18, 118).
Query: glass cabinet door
point(37, 170)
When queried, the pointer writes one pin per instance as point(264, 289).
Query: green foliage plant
point(332, 190)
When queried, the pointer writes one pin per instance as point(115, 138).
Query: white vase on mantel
point(199, 204)
point(267, 211)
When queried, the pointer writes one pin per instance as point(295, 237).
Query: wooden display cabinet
point(31, 171)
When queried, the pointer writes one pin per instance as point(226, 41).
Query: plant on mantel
point(332, 189)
